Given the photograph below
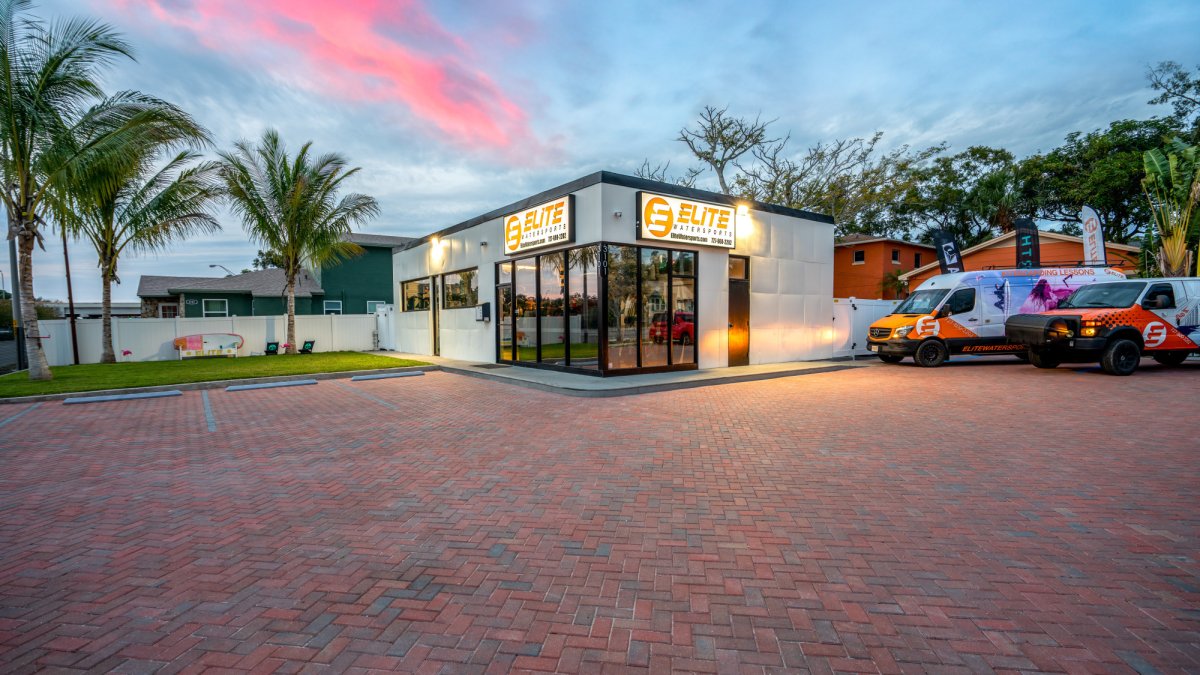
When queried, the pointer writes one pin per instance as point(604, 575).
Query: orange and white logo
point(543, 225)
point(512, 233)
point(1154, 334)
point(657, 217)
point(927, 326)
point(687, 221)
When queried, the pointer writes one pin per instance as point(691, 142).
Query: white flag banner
point(1093, 238)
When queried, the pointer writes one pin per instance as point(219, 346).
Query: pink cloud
point(377, 51)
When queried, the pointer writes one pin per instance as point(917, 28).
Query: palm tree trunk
point(109, 356)
point(39, 369)
point(291, 311)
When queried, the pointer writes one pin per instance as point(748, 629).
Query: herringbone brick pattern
point(889, 519)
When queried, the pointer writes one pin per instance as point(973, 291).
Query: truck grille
point(881, 333)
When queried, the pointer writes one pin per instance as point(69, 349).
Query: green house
point(353, 286)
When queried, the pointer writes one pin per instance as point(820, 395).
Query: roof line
point(876, 239)
point(621, 180)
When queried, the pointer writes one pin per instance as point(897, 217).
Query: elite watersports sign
point(682, 220)
point(543, 225)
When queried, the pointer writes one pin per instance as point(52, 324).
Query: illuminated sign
point(682, 220)
point(543, 225)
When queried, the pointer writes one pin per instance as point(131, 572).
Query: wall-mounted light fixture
point(743, 210)
point(617, 214)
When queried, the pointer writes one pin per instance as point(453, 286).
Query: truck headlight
point(902, 332)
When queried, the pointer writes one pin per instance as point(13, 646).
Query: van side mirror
point(944, 311)
point(1159, 301)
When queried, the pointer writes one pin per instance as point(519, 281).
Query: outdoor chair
point(272, 349)
point(307, 347)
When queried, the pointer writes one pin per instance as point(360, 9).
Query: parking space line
point(18, 416)
point(367, 396)
point(208, 413)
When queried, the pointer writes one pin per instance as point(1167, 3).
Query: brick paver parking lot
point(890, 519)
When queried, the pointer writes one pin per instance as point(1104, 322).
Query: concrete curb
point(213, 384)
point(641, 389)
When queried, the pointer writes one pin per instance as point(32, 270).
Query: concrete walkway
point(572, 384)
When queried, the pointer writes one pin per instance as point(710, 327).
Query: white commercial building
point(611, 274)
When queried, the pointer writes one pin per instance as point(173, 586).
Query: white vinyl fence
point(851, 318)
point(150, 339)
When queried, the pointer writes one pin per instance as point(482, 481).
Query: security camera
point(617, 214)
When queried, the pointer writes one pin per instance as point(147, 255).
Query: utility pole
point(70, 297)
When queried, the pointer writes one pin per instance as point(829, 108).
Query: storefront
point(614, 275)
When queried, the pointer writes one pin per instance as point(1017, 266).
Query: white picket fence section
point(150, 339)
point(851, 318)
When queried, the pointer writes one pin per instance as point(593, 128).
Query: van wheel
point(1121, 357)
point(931, 354)
point(1043, 359)
point(1170, 358)
point(890, 358)
point(1022, 356)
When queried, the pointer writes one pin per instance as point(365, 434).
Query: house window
point(916, 260)
point(860, 257)
point(168, 311)
point(333, 306)
point(374, 305)
point(415, 295)
point(460, 289)
point(895, 256)
point(215, 307)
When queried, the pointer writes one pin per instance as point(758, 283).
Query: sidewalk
point(573, 384)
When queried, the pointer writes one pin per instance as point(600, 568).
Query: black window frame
point(446, 296)
point(1150, 292)
point(895, 256)
point(602, 274)
point(404, 297)
point(962, 291)
point(916, 259)
point(860, 256)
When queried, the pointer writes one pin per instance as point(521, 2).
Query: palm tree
point(290, 206)
point(1172, 186)
point(137, 206)
point(48, 79)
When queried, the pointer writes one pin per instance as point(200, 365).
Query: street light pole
point(70, 297)
point(227, 270)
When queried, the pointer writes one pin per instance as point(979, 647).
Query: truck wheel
point(1043, 359)
point(890, 358)
point(1170, 358)
point(931, 354)
point(1121, 357)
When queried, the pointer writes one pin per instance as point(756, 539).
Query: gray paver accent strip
point(18, 416)
point(269, 385)
point(369, 397)
point(121, 397)
point(386, 376)
point(208, 413)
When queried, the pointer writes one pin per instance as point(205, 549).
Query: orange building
point(1057, 250)
point(860, 263)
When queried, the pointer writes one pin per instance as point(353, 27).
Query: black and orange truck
point(1115, 324)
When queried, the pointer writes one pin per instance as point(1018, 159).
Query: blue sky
point(455, 108)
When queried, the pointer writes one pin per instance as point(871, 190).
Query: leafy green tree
point(1181, 91)
point(264, 260)
point(1147, 264)
point(290, 206)
point(1172, 187)
point(50, 98)
point(971, 195)
point(140, 205)
point(1102, 169)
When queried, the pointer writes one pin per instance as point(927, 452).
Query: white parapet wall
point(151, 339)
point(852, 318)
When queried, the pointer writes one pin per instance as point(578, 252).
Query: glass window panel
point(504, 317)
point(683, 263)
point(683, 321)
point(416, 295)
point(584, 307)
point(554, 334)
point(504, 273)
point(333, 306)
point(460, 289)
point(739, 268)
point(622, 307)
point(215, 307)
point(525, 309)
point(655, 314)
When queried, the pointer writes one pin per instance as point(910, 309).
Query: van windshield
point(1116, 294)
point(922, 302)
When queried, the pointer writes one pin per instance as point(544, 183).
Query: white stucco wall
point(791, 282)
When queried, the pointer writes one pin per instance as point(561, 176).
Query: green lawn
point(98, 376)
point(579, 350)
